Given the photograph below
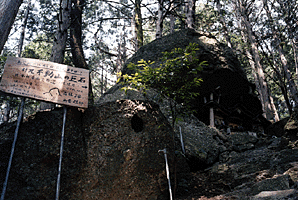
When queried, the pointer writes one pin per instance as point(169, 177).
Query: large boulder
point(200, 146)
point(111, 151)
point(291, 126)
point(242, 141)
point(124, 138)
point(199, 140)
point(278, 128)
point(259, 173)
point(280, 182)
point(35, 163)
point(218, 55)
point(234, 99)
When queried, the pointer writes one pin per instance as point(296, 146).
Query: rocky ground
point(241, 165)
point(236, 166)
point(253, 168)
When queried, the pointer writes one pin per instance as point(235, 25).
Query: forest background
point(101, 35)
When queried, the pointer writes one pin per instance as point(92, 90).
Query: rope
point(21, 108)
point(61, 153)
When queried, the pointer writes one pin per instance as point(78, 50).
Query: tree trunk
point(6, 109)
point(8, 12)
point(224, 26)
point(159, 22)
point(60, 38)
point(172, 18)
point(22, 37)
point(263, 88)
point(6, 115)
point(190, 8)
point(282, 86)
point(275, 114)
point(254, 70)
point(287, 100)
point(291, 83)
point(20, 47)
point(138, 24)
point(295, 57)
point(175, 6)
point(76, 43)
point(101, 88)
point(59, 42)
point(280, 80)
point(261, 76)
point(172, 23)
point(121, 51)
point(78, 57)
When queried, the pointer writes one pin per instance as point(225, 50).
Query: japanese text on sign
point(46, 81)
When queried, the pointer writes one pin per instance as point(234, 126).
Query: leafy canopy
point(176, 76)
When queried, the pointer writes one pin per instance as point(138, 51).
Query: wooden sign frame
point(46, 81)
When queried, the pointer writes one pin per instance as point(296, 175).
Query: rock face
point(35, 163)
point(277, 128)
point(200, 146)
point(201, 149)
point(258, 172)
point(123, 140)
point(234, 101)
point(110, 152)
point(234, 104)
point(291, 126)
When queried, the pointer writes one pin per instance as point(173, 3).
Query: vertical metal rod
point(61, 153)
point(21, 108)
point(181, 140)
point(168, 172)
point(211, 112)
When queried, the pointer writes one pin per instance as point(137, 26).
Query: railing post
point(21, 108)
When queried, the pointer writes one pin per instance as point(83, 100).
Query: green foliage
point(39, 48)
point(206, 20)
point(176, 76)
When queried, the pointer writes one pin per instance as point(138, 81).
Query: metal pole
point(181, 140)
point(168, 172)
point(61, 153)
point(21, 108)
point(211, 112)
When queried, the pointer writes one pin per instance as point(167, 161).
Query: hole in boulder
point(137, 123)
point(196, 164)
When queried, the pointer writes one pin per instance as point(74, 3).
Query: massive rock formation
point(200, 147)
point(234, 99)
point(243, 165)
point(235, 105)
point(110, 152)
point(111, 149)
